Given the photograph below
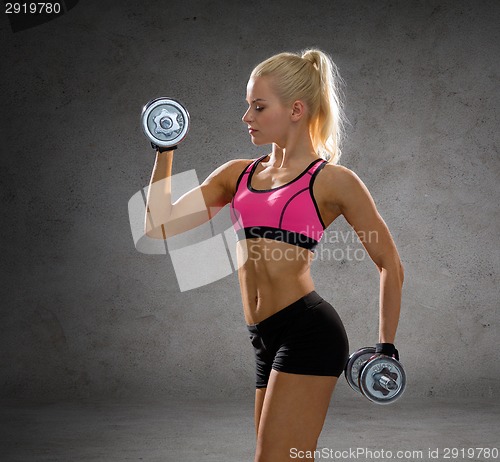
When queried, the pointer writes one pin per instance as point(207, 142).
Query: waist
point(272, 277)
point(283, 315)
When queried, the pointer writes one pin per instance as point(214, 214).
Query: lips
point(251, 131)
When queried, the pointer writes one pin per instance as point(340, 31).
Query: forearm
point(158, 203)
point(391, 284)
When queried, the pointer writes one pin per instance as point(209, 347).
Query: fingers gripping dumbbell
point(165, 122)
point(381, 379)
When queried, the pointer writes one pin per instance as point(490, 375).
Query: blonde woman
point(281, 204)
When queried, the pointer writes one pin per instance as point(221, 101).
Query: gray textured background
point(84, 314)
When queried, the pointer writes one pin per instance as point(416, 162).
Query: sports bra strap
point(318, 165)
point(251, 164)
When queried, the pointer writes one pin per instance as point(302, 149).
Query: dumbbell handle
point(160, 149)
point(386, 382)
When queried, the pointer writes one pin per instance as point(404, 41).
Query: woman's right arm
point(164, 219)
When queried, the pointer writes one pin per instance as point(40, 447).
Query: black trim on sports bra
point(312, 195)
point(238, 181)
point(242, 174)
point(249, 179)
point(277, 234)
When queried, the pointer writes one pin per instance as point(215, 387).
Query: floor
point(194, 430)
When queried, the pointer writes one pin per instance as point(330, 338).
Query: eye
point(259, 108)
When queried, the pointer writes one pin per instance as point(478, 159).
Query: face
point(266, 117)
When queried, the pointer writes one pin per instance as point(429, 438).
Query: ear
point(298, 111)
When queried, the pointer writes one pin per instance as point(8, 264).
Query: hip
point(308, 319)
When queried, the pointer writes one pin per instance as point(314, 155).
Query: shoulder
point(230, 168)
point(338, 176)
point(235, 165)
point(227, 174)
point(338, 171)
point(338, 184)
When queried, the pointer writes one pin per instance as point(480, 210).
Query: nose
point(246, 116)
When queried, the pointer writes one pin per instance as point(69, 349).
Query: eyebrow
point(257, 100)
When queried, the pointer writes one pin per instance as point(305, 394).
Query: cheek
point(275, 119)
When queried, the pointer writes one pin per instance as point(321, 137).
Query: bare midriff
point(272, 275)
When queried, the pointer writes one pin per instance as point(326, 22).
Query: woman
point(281, 203)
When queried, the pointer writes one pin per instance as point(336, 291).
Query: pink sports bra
point(288, 213)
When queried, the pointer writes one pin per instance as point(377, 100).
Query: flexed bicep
point(198, 205)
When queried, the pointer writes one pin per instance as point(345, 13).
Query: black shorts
point(306, 337)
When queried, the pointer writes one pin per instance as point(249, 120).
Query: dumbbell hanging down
point(165, 122)
point(381, 379)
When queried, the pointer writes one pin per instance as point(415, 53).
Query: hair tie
point(312, 59)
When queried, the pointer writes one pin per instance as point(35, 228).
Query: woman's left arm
point(356, 204)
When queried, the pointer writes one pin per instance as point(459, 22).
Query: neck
point(295, 151)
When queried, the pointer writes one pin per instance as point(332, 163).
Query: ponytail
point(327, 128)
point(314, 78)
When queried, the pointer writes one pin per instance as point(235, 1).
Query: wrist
point(387, 349)
point(160, 149)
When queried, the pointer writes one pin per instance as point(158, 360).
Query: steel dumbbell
point(381, 379)
point(165, 122)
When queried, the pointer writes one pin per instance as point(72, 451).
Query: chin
point(259, 142)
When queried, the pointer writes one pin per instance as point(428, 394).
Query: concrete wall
point(85, 314)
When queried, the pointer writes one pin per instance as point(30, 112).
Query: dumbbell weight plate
point(382, 369)
point(165, 121)
point(355, 364)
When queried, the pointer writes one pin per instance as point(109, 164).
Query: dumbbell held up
point(165, 122)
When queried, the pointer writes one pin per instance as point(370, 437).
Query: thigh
point(260, 394)
point(293, 414)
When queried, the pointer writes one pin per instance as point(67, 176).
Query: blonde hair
point(313, 77)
